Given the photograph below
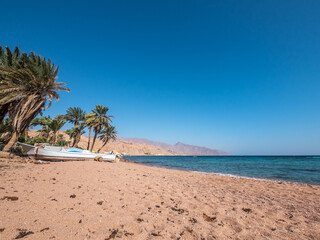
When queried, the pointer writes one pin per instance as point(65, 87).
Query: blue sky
point(239, 76)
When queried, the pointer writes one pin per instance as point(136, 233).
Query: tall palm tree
point(75, 133)
point(30, 88)
point(76, 116)
point(107, 134)
point(55, 125)
point(99, 120)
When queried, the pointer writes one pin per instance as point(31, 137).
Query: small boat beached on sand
point(51, 153)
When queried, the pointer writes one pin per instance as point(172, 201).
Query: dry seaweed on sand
point(9, 198)
point(22, 234)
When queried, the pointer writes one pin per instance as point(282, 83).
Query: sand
point(92, 200)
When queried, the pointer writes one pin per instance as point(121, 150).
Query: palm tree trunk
point(102, 146)
point(73, 142)
point(54, 139)
point(77, 140)
point(94, 140)
point(89, 138)
point(26, 135)
point(11, 142)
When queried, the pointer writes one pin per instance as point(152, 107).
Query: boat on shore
point(57, 154)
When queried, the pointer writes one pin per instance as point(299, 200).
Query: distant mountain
point(178, 148)
point(195, 150)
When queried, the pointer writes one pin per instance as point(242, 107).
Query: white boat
point(51, 153)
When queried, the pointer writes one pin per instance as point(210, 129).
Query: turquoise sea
point(299, 169)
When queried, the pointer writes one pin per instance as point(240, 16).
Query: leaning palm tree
point(10, 59)
point(107, 134)
point(75, 134)
point(30, 88)
point(55, 125)
point(99, 120)
point(76, 116)
point(89, 123)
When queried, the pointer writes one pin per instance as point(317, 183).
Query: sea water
point(299, 169)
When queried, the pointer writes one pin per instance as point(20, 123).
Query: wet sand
point(92, 200)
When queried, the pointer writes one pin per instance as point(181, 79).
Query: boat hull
point(38, 153)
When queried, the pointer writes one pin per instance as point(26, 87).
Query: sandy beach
point(92, 200)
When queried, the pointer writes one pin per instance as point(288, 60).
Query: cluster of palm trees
point(98, 120)
point(27, 87)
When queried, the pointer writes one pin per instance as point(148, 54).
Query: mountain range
point(177, 149)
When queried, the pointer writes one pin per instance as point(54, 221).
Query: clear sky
point(239, 76)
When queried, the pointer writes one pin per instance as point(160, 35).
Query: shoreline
point(225, 174)
point(88, 199)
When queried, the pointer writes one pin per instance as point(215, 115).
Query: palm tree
point(30, 88)
point(42, 121)
point(55, 125)
point(76, 133)
point(89, 124)
point(61, 142)
point(107, 134)
point(12, 60)
point(99, 119)
point(76, 116)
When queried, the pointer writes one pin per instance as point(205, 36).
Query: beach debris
point(208, 218)
point(288, 228)
point(140, 220)
point(80, 221)
point(289, 215)
point(247, 210)
point(113, 234)
point(9, 198)
point(44, 229)
point(156, 234)
point(193, 220)
point(72, 196)
point(128, 233)
point(211, 237)
point(169, 220)
point(179, 210)
point(100, 202)
point(189, 230)
point(22, 234)
point(2, 229)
